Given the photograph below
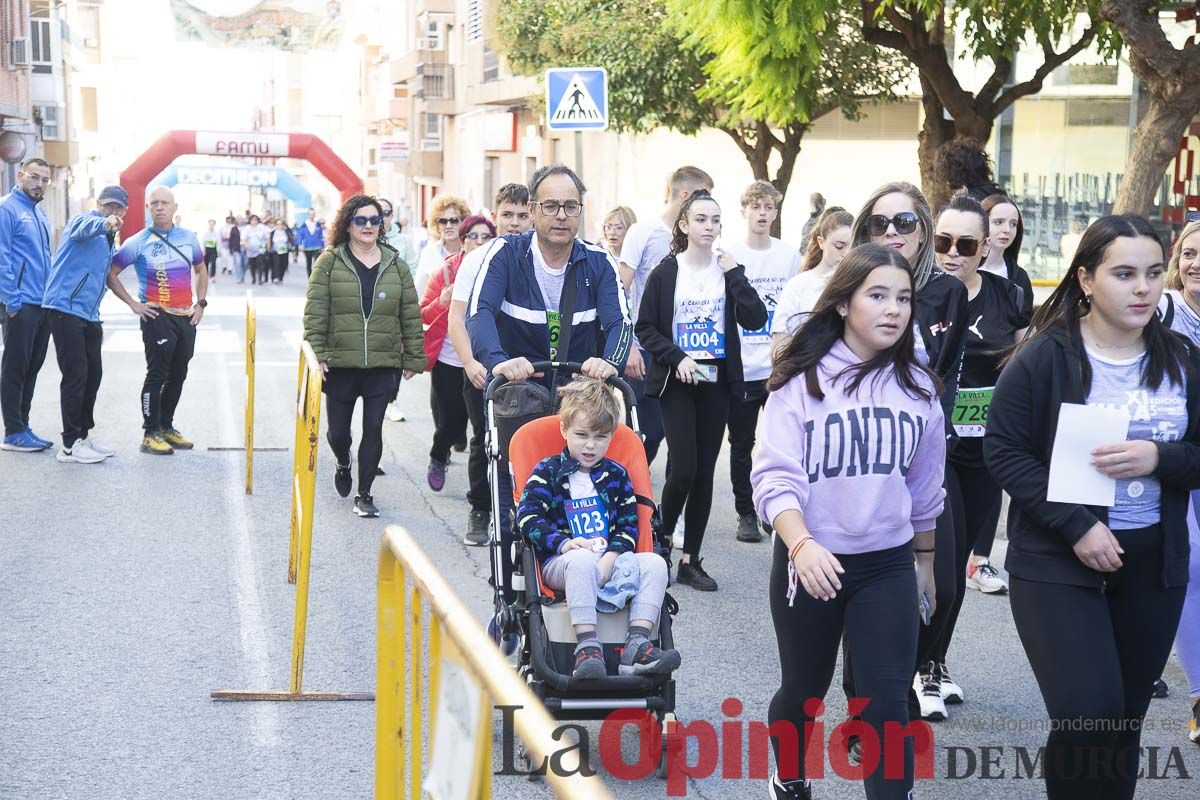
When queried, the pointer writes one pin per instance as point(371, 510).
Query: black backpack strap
point(566, 316)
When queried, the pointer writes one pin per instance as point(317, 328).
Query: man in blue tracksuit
point(24, 262)
point(515, 314)
point(73, 293)
point(310, 237)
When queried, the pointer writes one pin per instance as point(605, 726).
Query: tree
point(659, 76)
point(1171, 76)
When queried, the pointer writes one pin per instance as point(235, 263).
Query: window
point(51, 126)
point(1113, 113)
point(39, 45)
point(474, 20)
point(1086, 75)
point(433, 36)
point(431, 132)
point(491, 65)
point(89, 112)
point(435, 82)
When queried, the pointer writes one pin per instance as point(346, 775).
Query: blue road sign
point(577, 99)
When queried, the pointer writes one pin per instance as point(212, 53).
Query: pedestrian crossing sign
point(577, 99)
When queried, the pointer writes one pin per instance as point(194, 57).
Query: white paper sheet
point(1081, 429)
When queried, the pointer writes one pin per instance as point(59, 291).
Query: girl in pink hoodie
point(849, 472)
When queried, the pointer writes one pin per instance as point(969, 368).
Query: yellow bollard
point(251, 336)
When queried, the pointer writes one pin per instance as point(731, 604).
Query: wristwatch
point(202, 303)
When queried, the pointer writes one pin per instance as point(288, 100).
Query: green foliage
point(653, 79)
point(997, 28)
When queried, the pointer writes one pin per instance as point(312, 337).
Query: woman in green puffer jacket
point(362, 318)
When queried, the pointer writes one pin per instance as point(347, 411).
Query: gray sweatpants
point(578, 573)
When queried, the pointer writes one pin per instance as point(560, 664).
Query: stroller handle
point(571, 368)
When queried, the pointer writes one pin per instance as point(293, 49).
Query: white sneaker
point(677, 537)
point(984, 577)
point(395, 413)
point(95, 446)
point(929, 693)
point(79, 453)
point(952, 693)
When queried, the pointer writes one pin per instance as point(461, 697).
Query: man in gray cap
point(74, 288)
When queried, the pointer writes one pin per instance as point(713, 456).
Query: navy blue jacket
point(77, 277)
point(507, 313)
point(24, 251)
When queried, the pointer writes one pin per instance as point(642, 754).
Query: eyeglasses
point(551, 207)
point(444, 221)
point(967, 245)
point(361, 222)
point(613, 226)
point(904, 222)
point(482, 236)
point(387, 213)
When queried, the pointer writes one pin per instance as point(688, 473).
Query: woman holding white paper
point(1097, 592)
point(1183, 299)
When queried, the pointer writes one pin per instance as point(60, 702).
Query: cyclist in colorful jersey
point(165, 257)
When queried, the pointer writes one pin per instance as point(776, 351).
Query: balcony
point(425, 52)
point(424, 164)
point(398, 111)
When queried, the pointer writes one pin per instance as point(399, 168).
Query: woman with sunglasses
point(996, 320)
point(447, 373)
point(363, 321)
point(1097, 589)
point(898, 216)
point(446, 214)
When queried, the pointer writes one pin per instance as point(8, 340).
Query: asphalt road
point(129, 590)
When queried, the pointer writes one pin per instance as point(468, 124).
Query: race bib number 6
point(700, 340)
point(969, 417)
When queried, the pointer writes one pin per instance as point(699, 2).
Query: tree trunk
point(935, 131)
point(1155, 143)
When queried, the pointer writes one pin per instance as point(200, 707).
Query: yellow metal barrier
point(251, 335)
point(304, 477)
point(466, 670)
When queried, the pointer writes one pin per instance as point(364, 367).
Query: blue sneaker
point(45, 443)
point(509, 645)
point(23, 442)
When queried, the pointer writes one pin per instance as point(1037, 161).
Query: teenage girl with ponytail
point(1096, 592)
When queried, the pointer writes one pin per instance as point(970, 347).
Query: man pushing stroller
point(579, 512)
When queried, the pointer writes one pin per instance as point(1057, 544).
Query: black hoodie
point(1022, 422)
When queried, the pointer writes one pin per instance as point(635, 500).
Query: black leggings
point(694, 419)
point(370, 449)
point(479, 494)
point(975, 497)
point(744, 407)
point(210, 260)
point(309, 257)
point(1096, 655)
point(877, 608)
point(446, 393)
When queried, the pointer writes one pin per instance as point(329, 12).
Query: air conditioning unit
point(431, 145)
point(18, 52)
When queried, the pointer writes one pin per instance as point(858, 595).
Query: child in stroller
point(579, 512)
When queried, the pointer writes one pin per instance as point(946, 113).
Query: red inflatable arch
point(259, 144)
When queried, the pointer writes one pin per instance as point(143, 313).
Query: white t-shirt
point(448, 355)
point(768, 272)
point(646, 244)
point(698, 324)
point(550, 281)
point(432, 258)
point(468, 270)
point(798, 299)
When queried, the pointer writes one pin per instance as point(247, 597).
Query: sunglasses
point(361, 222)
point(967, 245)
point(444, 221)
point(482, 236)
point(904, 222)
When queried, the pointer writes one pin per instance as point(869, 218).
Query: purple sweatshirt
point(865, 470)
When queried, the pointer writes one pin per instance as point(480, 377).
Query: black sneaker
point(748, 529)
point(691, 573)
point(477, 529)
point(589, 663)
point(1161, 690)
point(364, 506)
point(792, 790)
point(342, 480)
point(641, 657)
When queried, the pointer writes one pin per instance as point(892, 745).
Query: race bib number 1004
point(700, 340)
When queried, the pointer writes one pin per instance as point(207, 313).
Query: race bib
point(763, 334)
point(554, 322)
point(588, 519)
point(700, 340)
point(969, 417)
